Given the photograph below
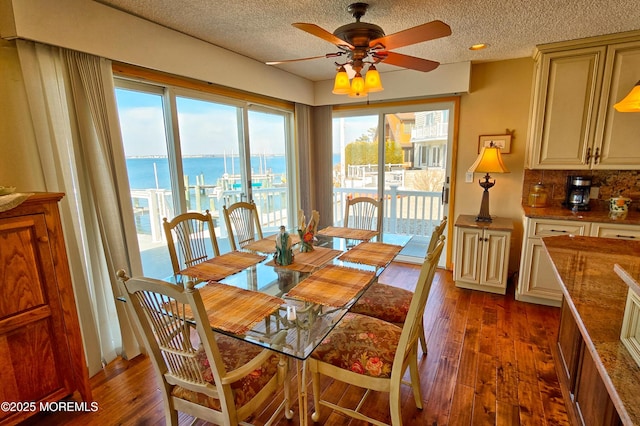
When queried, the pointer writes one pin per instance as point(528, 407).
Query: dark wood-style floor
point(490, 362)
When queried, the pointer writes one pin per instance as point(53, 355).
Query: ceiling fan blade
point(429, 31)
point(406, 61)
point(286, 61)
point(317, 31)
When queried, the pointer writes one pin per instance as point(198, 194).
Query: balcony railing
point(152, 205)
point(405, 211)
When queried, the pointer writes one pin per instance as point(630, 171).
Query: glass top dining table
point(297, 326)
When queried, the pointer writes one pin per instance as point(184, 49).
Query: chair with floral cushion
point(207, 375)
point(191, 239)
point(364, 213)
point(243, 223)
point(373, 354)
point(391, 303)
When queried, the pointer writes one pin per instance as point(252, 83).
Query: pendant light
point(631, 102)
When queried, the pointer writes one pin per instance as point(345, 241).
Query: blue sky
point(207, 128)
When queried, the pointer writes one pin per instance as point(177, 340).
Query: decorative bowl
point(6, 190)
point(619, 204)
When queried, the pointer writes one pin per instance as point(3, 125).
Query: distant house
point(422, 136)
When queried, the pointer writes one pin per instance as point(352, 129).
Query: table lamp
point(489, 161)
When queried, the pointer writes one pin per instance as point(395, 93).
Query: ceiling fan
point(363, 42)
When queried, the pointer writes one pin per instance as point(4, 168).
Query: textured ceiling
point(262, 29)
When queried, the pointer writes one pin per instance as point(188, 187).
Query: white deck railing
point(405, 211)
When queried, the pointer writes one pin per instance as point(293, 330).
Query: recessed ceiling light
point(479, 46)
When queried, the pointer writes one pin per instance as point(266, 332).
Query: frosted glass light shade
point(341, 84)
point(372, 81)
point(357, 86)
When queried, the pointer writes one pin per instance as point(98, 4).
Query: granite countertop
point(632, 217)
point(596, 296)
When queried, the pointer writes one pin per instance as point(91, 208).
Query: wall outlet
point(594, 192)
point(469, 177)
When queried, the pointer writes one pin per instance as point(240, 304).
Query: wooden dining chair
point(191, 239)
point(208, 375)
point(373, 354)
point(243, 223)
point(364, 213)
point(391, 303)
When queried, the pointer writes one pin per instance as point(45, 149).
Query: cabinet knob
point(586, 160)
point(43, 239)
point(596, 156)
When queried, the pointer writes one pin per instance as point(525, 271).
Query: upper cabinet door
point(565, 106)
point(618, 133)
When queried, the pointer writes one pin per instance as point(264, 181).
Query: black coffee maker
point(578, 188)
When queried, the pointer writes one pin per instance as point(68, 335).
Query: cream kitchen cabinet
point(482, 254)
point(573, 124)
point(537, 282)
point(615, 230)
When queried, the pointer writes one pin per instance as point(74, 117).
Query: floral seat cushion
point(361, 344)
point(386, 302)
point(235, 353)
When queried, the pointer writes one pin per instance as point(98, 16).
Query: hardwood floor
point(489, 362)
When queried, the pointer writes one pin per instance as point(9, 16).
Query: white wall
point(94, 28)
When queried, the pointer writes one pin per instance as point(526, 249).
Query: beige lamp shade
point(631, 102)
point(489, 161)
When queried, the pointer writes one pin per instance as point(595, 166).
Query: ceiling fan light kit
point(358, 86)
point(366, 43)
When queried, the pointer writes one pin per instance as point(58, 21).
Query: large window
point(192, 151)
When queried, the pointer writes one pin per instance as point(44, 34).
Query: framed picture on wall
point(501, 141)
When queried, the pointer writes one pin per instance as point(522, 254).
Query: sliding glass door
point(402, 155)
point(188, 151)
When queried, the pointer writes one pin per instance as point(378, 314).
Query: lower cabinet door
point(570, 345)
point(592, 401)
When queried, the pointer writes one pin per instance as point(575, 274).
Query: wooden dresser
point(41, 354)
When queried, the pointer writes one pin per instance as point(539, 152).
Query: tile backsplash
point(611, 183)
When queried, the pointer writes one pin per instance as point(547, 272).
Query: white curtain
point(72, 106)
point(315, 146)
point(321, 152)
point(305, 156)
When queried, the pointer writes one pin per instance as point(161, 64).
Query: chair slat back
point(243, 224)
point(191, 239)
point(169, 318)
point(364, 213)
point(412, 329)
point(435, 235)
